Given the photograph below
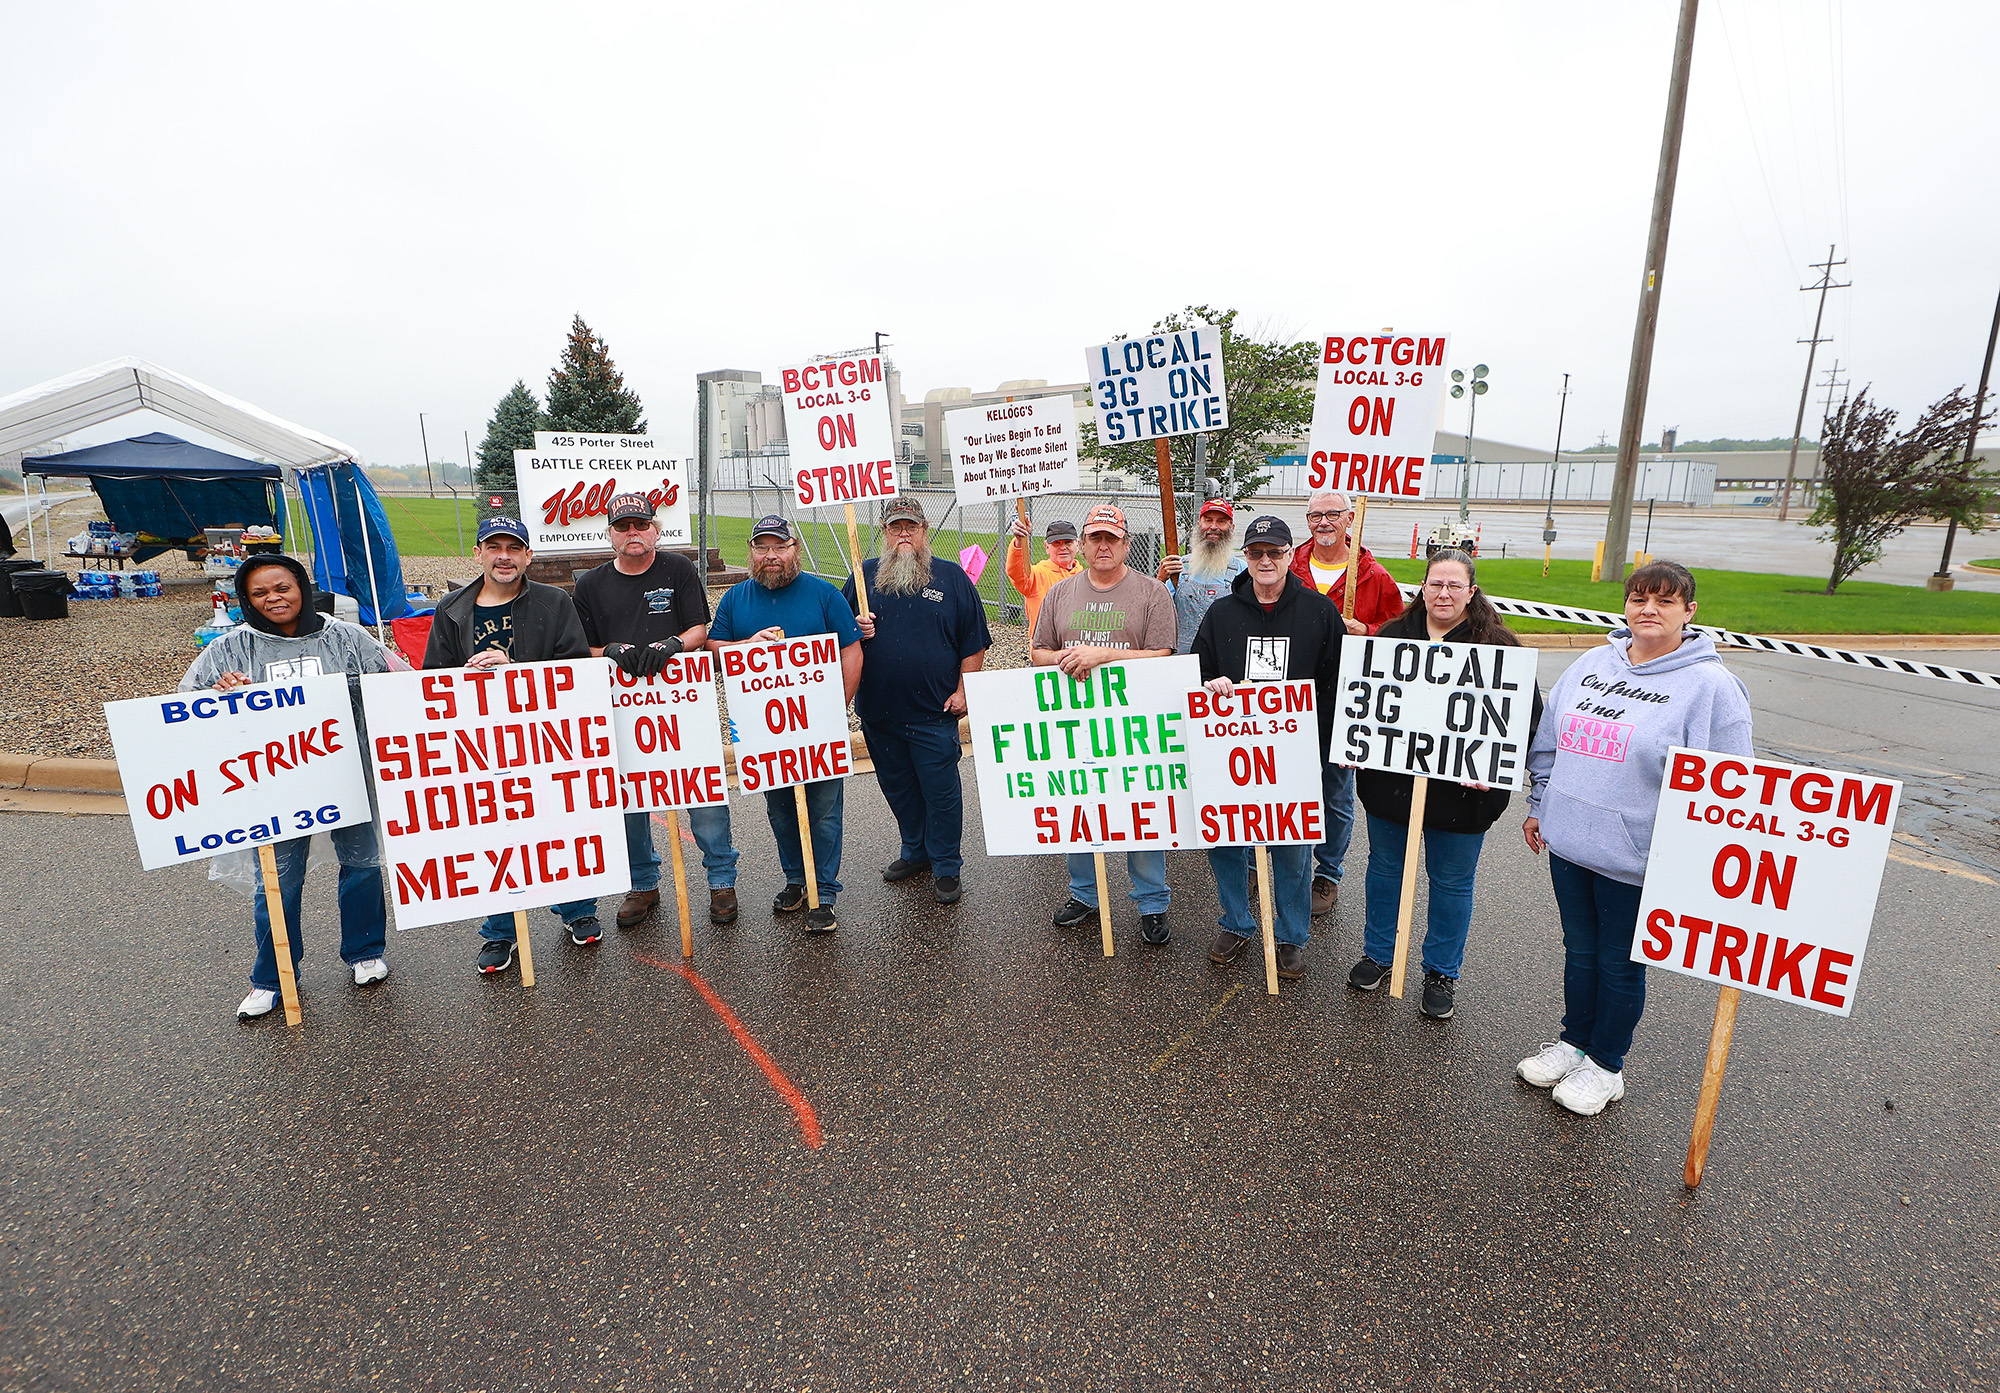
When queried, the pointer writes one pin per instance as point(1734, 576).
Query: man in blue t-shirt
point(779, 601)
point(927, 631)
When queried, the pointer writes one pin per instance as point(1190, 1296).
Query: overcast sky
point(349, 214)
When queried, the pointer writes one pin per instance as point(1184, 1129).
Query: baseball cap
point(1105, 518)
point(904, 507)
point(1218, 505)
point(771, 525)
point(504, 527)
point(1061, 530)
point(630, 505)
point(1272, 532)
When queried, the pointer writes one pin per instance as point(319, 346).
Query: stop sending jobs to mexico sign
point(1013, 449)
point(1763, 875)
point(843, 439)
point(568, 480)
point(1457, 711)
point(209, 772)
point(499, 788)
point(787, 711)
point(1375, 412)
point(1151, 386)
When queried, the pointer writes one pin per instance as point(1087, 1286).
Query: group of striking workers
point(1266, 611)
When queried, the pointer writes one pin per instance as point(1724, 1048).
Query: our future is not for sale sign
point(1763, 875)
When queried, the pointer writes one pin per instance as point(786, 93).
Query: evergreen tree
point(512, 428)
point(586, 390)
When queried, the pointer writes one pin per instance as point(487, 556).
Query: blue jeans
point(1148, 870)
point(1450, 858)
point(1330, 856)
point(500, 927)
point(916, 767)
point(710, 826)
point(1604, 991)
point(363, 918)
point(1291, 891)
point(823, 805)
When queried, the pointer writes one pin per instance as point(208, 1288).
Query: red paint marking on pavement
point(808, 1120)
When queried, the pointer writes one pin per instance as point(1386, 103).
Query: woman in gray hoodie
point(1596, 765)
point(283, 637)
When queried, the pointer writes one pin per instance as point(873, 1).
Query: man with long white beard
point(1206, 573)
point(927, 630)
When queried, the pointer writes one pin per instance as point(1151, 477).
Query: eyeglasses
point(633, 525)
point(769, 548)
point(1327, 517)
point(1446, 587)
point(1258, 556)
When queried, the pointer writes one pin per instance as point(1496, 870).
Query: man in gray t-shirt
point(1107, 614)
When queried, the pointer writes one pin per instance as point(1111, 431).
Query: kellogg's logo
point(566, 507)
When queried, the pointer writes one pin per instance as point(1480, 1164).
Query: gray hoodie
point(336, 646)
point(1600, 753)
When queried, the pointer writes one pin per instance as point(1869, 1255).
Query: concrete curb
point(60, 775)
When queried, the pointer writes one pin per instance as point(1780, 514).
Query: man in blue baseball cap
point(503, 617)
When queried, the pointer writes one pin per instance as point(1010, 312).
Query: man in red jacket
point(1377, 600)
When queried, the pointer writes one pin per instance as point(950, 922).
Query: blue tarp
point(168, 489)
point(342, 509)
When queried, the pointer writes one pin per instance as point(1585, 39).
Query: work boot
point(722, 905)
point(1325, 892)
point(1227, 948)
point(636, 906)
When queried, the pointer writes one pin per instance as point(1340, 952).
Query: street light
point(1478, 387)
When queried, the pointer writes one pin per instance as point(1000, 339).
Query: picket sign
point(1254, 769)
point(1097, 763)
point(670, 753)
point(1155, 386)
point(788, 721)
point(843, 439)
point(1458, 711)
point(1762, 877)
point(1012, 449)
point(499, 790)
point(568, 480)
point(1375, 412)
point(210, 772)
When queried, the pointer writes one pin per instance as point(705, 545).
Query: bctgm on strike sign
point(787, 711)
point(669, 734)
point(1254, 765)
point(1013, 449)
point(498, 787)
point(1155, 385)
point(843, 440)
point(1458, 711)
point(568, 480)
point(1097, 763)
point(1375, 412)
point(207, 772)
point(1763, 875)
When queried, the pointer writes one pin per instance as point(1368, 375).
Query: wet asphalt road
point(1039, 1168)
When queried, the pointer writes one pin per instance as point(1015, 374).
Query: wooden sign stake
point(680, 883)
point(805, 827)
point(524, 948)
point(281, 939)
point(1264, 912)
point(860, 594)
point(1719, 1036)
point(1419, 791)
point(1169, 521)
point(1353, 557)
point(1103, 902)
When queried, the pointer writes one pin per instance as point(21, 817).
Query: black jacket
point(545, 627)
point(1304, 618)
point(1448, 806)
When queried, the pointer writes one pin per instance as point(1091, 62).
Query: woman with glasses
point(1595, 770)
point(1456, 816)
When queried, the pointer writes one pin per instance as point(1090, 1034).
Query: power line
point(1825, 283)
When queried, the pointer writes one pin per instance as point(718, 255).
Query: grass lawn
point(1753, 602)
point(1992, 562)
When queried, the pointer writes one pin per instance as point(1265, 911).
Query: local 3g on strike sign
point(787, 711)
point(669, 736)
point(1763, 875)
point(1375, 412)
point(842, 440)
point(1458, 711)
point(1254, 763)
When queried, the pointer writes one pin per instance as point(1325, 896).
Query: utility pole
point(429, 487)
point(1549, 522)
point(1833, 380)
point(1618, 522)
point(1825, 268)
point(1942, 580)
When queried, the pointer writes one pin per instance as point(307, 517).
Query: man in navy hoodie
point(1269, 628)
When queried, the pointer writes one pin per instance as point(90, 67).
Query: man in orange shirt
point(1037, 580)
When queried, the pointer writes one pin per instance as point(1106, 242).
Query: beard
point(1207, 560)
point(905, 572)
point(776, 575)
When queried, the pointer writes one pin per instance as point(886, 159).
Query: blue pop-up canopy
point(168, 490)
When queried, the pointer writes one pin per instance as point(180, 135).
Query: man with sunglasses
point(1377, 600)
point(639, 609)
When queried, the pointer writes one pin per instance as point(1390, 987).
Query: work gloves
point(649, 661)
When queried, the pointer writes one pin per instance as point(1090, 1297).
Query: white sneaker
point(1588, 1087)
point(1557, 1061)
point(258, 1003)
point(370, 970)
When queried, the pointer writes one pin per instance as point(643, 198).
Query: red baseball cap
point(1107, 518)
point(1218, 505)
